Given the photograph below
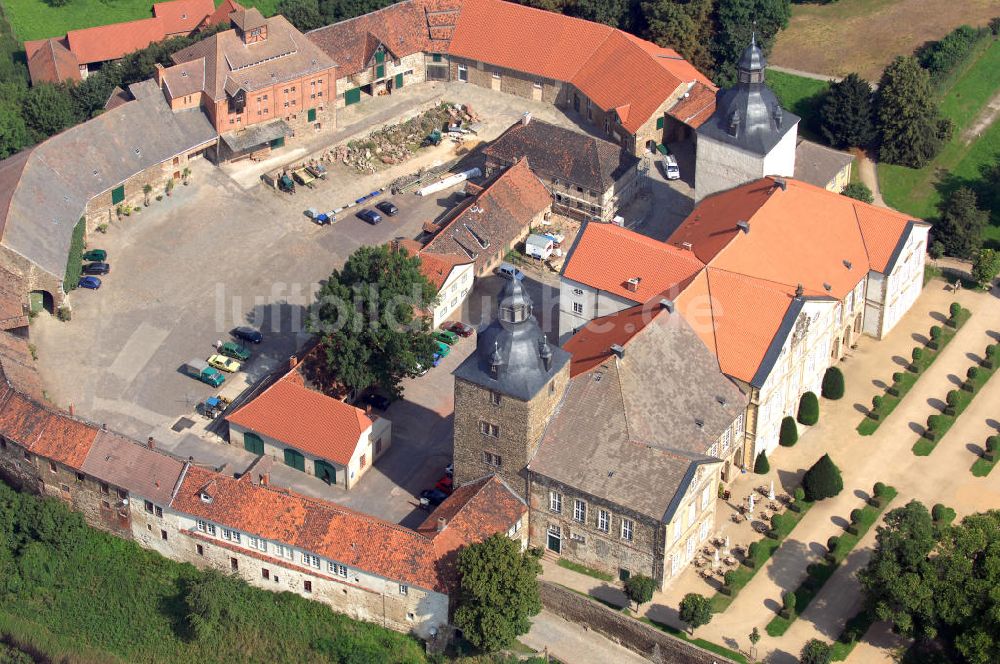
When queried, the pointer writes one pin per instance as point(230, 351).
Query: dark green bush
point(833, 384)
point(822, 480)
point(936, 332)
point(897, 376)
point(799, 493)
point(877, 402)
point(761, 466)
point(942, 514)
point(880, 489)
point(857, 515)
point(808, 409)
point(917, 353)
point(832, 542)
point(789, 432)
point(953, 397)
point(940, 58)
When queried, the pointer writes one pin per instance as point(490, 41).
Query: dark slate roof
point(125, 463)
point(761, 121)
point(517, 346)
point(44, 190)
point(818, 164)
point(569, 155)
point(633, 430)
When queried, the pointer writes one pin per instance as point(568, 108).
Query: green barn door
point(253, 443)
point(325, 471)
point(295, 459)
point(311, 115)
point(380, 71)
point(399, 80)
point(117, 195)
point(352, 96)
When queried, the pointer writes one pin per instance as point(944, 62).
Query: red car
point(459, 328)
point(445, 484)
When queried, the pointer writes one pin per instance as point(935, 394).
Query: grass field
point(863, 36)
point(34, 19)
point(914, 190)
point(802, 96)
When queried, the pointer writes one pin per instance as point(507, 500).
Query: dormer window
point(205, 497)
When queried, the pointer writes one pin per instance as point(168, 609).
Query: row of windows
point(602, 522)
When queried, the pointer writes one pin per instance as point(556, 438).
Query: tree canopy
point(815, 652)
point(960, 224)
point(735, 21)
point(366, 318)
point(497, 593)
point(823, 479)
point(846, 113)
point(912, 129)
point(639, 588)
point(859, 191)
point(986, 267)
point(303, 14)
point(695, 610)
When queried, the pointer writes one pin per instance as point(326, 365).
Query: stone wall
point(411, 66)
point(509, 81)
point(618, 627)
point(32, 276)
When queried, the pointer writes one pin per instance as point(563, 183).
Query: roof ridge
point(861, 232)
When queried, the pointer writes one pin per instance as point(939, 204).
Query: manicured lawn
point(820, 573)
point(914, 190)
point(802, 96)
point(583, 569)
point(766, 547)
point(926, 445)
point(701, 643)
point(982, 467)
point(34, 19)
point(909, 378)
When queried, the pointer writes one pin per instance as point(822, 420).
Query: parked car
point(96, 268)
point(248, 334)
point(432, 497)
point(98, 255)
point(445, 336)
point(200, 370)
point(670, 167)
point(376, 401)
point(459, 328)
point(435, 360)
point(92, 283)
point(224, 363)
point(371, 216)
point(388, 207)
point(508, 271)
point(235, 351)
point(445, 484)
point(442, 348)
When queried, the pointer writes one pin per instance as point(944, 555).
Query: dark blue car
point(92, 283)
point(248, 334)
point(432, 497)
point(371, 216)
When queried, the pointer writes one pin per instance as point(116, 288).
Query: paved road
point(573, 644)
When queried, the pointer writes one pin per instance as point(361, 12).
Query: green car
point(235, 351)
point(443, 349)
point(445, 336)
point(97, 255)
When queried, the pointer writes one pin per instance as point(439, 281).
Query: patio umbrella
point(770, 494)
point(750, 499)
point(715, 561)
point(725, 550)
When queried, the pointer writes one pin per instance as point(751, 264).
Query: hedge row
point(922, 357)
point(862, 519)
point(957, 401)
point(759, 552)
point(942, 57)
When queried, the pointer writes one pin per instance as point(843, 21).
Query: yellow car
point(224, 363)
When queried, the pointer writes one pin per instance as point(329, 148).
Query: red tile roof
point(305, 419)
point(437, 267)
point(590, 346)
point(882, 229)
point(51, 62)
point(319, 527)
point(44, 432)
point(222, 12)
point(182, 16)
point(606, 256)
point(110, 42)
point(696, 106)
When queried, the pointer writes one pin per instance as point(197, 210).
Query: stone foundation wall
point(629, 632)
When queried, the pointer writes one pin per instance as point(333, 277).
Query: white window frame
point(231, 535)
point(206, 527)
point(578, 308)
point(706, 497)
point(336, 568)
point(603, 520)
point(677, 531)
point(628, 529)
point(310, 560)
point(579, 510)
point(404, 589)
point(555, 502)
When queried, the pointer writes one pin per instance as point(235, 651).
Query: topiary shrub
point(876, 409)
point(808, 409)
point(833, 384)
point(761, 466)
point(992, 448)
point(917, 355)
point(823, 480)
point(856, 515)
point(954, 310)
point(880, 489)
point(831, 548)
point(952, 399)
point(942, 514)
point(752, 552)
point(934, 343)
point(789, 432)
point(788, 605)
point(973, 374)
point(990, 357)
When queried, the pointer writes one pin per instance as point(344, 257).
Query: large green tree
point(961, 223)
point(48, 109)
point(815, 652)
point(986, 267)
point(846, 115)
point(366, 317)
point(683, 25)
point(497, 592)
point(14, 134)
point(695, 610)
point(303, 14)
point(735, 20)
point(912, 129)
point(822, 480)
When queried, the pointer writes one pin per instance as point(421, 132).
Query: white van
point(670, 167)
point(539, 246)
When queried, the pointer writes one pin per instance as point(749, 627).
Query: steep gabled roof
point(137, 468)
point(113, 41)
point(182, 16)
point(51, 62)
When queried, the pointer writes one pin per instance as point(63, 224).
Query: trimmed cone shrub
point(876, 407)
point(833, 384)
point(942, 514)
point(880, 489)
point(823, 480)
point(761, 466)
point(788, 602)
point(832, 542)
point(789, 432)
point(808, 409)
point(954, 310)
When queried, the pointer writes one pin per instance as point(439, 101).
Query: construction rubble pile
point(394, 144)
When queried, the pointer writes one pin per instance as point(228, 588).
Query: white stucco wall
point(453, 293)
point(906, 280)
point(720, 166)
point(781, 159)
point(595, 303)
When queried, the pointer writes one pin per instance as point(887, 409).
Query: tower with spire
point(505, 393)
point(749, 135)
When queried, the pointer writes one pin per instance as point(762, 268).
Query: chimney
point(799, 290)
point(781, 183)
point(158, 74)
point(633, 284)
point(687, 245)
point(668, 305)
point(526, 118)
point(150, 444)
point(847, 264)
point(442, 523)
point(618, 351)
point(293, 362)
point(72, 409)
point(827, 287)
point(743, 226)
